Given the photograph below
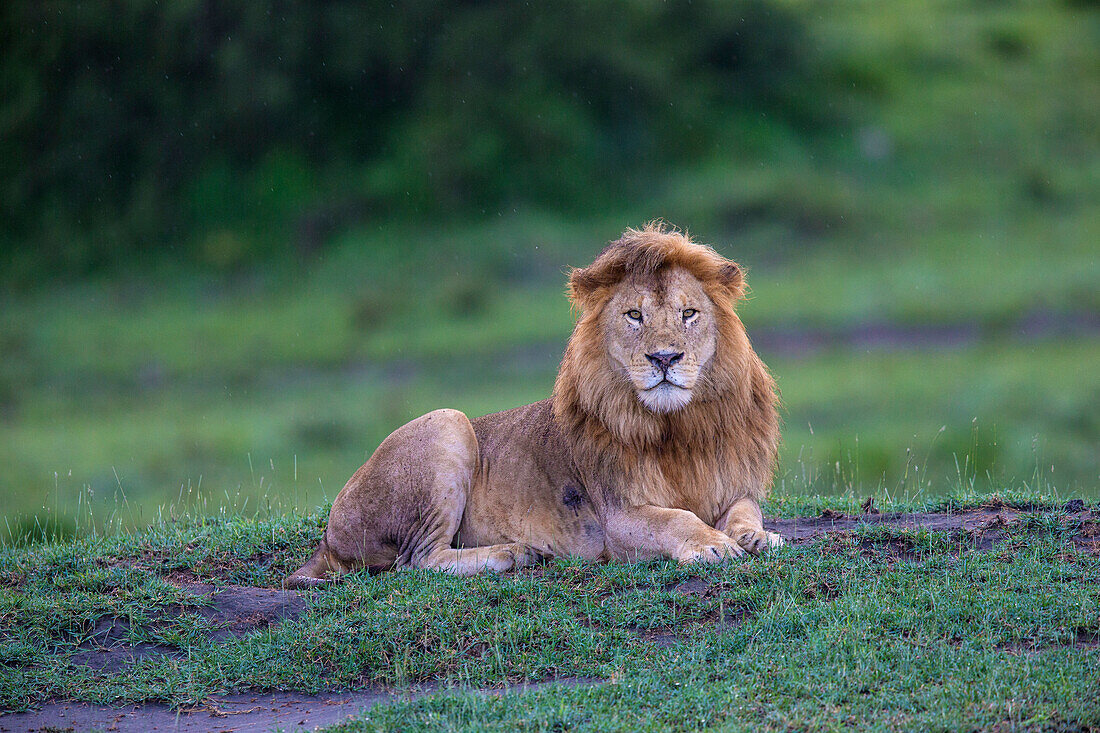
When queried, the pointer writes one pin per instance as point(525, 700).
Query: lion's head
point(660, 333)
point(658, 352)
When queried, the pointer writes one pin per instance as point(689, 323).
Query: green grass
point(840, 632)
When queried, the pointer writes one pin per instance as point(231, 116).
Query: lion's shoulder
point(530, 429)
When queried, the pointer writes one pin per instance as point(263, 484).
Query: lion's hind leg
point(473, 560)
point(403, 508)
point(408, 504)
point(453, 450)
point(318, 570)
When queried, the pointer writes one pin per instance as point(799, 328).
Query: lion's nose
point(663, 360)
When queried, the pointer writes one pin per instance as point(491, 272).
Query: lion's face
point(661, 335)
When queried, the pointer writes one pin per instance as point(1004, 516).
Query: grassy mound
point(880, 624)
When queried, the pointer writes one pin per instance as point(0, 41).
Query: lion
point(659, 440)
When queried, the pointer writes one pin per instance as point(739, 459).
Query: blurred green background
point(243, 241)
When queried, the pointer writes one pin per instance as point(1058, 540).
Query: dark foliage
point(227, 129)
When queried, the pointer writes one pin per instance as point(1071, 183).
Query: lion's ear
point(731, 276)
point(582, 282)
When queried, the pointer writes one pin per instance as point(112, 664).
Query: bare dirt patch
point(231, 610)
point(247, 712)
point(236, 610)
point(982, 527)
point(109, 648)
point(240, 713)
point(794, 341)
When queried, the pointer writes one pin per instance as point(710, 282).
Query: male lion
point(659, 441)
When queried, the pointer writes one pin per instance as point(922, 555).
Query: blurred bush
point(227, 130)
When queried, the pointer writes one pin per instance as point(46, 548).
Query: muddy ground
point(236, 610)
point(979, 527)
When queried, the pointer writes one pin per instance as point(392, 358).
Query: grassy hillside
point(988, 622)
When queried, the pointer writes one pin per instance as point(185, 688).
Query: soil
point(235, 610)
point(241, 713)
point(232, 611)
point(792, 341)
point(979, 528)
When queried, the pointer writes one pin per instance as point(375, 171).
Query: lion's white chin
point(665, 397)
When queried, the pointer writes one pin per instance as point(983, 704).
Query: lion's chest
point(699, 482)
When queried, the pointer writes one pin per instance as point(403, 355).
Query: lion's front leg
point(744, 522)
point(645, 532)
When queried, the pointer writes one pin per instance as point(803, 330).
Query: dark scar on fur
point(572, 498)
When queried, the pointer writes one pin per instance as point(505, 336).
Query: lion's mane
point(732, 419)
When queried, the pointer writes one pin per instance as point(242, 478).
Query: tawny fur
point(593, 472)
point(731, 423)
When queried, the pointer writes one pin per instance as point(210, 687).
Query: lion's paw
point(757, 541)
point(526, 555)
point(711, 552)
point(514, 556)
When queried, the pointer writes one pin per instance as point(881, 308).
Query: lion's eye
point(689, 313)
point(634, 315)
